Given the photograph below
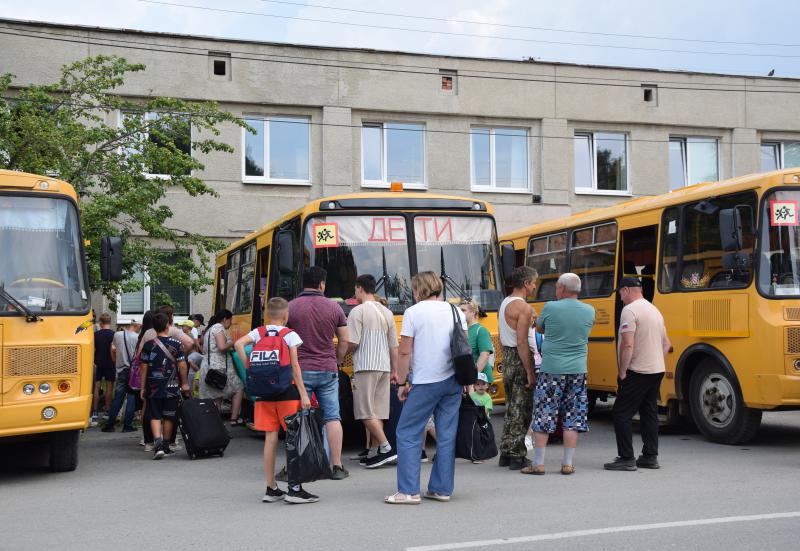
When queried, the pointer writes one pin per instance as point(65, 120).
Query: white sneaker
point(93, 421)
point(528, 442)
point(148, 447)
point(175, 447)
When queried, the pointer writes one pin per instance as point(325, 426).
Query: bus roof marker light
point(796, 178)
point(44, 185)
point(396, 186)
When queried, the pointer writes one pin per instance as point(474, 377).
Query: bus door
point(285, 274)
point(638, 259)
point(262, 269)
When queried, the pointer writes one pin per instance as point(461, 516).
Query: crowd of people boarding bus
point(149, 366)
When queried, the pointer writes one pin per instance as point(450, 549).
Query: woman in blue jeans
point(425, 350)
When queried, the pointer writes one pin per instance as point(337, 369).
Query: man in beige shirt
point(643, 343)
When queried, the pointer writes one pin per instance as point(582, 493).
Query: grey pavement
point(120, 499)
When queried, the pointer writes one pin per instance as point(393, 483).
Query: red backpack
point(269, 373)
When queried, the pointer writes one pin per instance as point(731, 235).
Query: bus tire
point(718, 408)
point(64, 451)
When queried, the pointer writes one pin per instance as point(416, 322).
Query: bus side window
point(285, 263)
point(669, 249)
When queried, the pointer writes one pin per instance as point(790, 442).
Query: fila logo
point(264, 356)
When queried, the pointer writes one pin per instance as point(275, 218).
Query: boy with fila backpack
point(275, 380)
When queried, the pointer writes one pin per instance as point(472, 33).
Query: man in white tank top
point(514, 321)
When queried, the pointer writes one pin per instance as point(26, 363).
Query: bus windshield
point(779, 270)
point(463, 250)
point(42, 266)
point(349, 246)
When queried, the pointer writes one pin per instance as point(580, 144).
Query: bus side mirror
point(111, 258)
point(730, 229)
point(285, 253)
point(507, 259)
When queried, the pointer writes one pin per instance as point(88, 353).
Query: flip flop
point(394, 499)
point(436, 497)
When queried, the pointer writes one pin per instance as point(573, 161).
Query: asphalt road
point(706, 497)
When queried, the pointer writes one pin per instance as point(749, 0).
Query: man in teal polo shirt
point(561, 386)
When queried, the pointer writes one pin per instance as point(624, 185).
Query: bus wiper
point(30, 317)
point(458, 288)
point(385, 277)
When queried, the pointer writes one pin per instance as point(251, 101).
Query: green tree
point(68, 130)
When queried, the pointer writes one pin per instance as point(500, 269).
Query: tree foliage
point(109, 148)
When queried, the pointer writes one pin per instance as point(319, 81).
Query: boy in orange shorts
point(270, 412)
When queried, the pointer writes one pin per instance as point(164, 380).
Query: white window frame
point(148, 175)
point(781, 150)
point(593, 190)
point(384, 183)
point(685, 141)
point(265, 179)
point(146, 290)
point(492, 188)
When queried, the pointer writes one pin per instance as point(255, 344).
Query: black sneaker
point(382, 458)
point(518, 463)
point(648, 462)
point(300, 496)
point(168, 452)
point(108, 428)
point(282, 475)
point(158, 452)
point(504, 460)
point(273, 495)
point(424, 457)
point(360, 455)
point(127, 429)
point(621, 464)
point(339, 473)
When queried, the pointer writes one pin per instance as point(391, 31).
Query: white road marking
point(600, 531)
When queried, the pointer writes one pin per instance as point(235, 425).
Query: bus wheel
point(718, 408)
point(64, 451)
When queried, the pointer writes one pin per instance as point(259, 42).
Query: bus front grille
point(791, 314)
point(32, 361)
point(793, 340)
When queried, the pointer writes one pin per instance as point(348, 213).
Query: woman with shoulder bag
point(218, 377)
point(427, 335)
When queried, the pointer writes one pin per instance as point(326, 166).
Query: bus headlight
point(28, 389)
point(48, 413)
point(44, 388)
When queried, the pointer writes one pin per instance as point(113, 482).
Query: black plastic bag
point(306, 460)
point(475, 436)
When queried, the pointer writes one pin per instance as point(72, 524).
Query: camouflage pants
point(519, 405)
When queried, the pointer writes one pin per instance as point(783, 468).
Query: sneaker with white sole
point(380, 459)
point(300, 496)
point(175, 447)
point(158, 452)
point(273, 494)
point(148, 447)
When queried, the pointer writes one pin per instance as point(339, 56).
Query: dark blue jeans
point(120, 393)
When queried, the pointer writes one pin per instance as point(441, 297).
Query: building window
point(448, 82)
point(601, 163)
point(155, 291)
point(778, 155)
point(393, 152)
point(499, 159)
point(278, 152)
point(177, 135)
point(692, 160)
point(219, 66)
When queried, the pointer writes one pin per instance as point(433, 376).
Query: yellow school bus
point(391, 235)
point(46, 336)
point(722, 262)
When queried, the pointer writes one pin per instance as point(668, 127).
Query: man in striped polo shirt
point(373, 341)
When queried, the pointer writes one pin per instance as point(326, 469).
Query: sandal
point(436, 497)
point(395, 499)
point(237, 422)
point(567, 469)
point(533, 469)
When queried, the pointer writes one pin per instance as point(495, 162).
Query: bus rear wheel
point(718, 408)
point(64, 451)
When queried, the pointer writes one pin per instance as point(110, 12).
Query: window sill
point(386, 185)
point(484, 189)
point(262, 181)
point(589, 191)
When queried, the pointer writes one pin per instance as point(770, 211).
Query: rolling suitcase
point(202, 429)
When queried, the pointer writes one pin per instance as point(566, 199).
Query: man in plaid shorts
point(561, 385)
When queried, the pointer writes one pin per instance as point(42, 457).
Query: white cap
point(483, 377)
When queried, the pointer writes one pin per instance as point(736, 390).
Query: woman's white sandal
point(407, 500)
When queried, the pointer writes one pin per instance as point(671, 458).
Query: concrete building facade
point(538, 140)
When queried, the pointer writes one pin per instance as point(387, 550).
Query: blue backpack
point(269, 373)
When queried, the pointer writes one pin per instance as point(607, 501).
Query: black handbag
point(475, 436)
point(216, 378)
point(461, 351)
